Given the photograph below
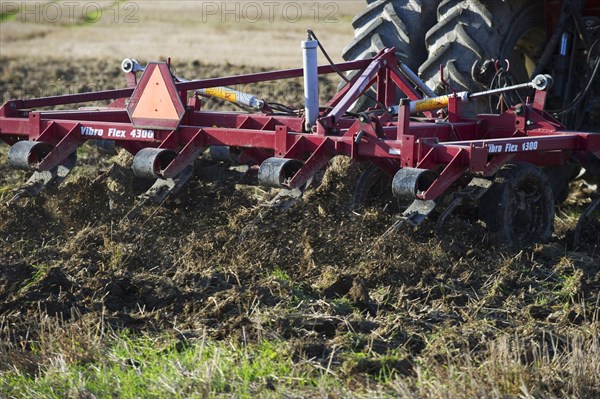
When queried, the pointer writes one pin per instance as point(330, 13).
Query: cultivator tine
point(414, 215)
point(456, 202)
point(277, 173)
point(285, 199)
point(409, 184)
point(472, 192)
point(161, 190)
point(584, 216)
point(394, 227)
point(151, 163)
point(42, 180)
point(418, 211)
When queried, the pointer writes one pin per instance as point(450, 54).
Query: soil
point(213, 260)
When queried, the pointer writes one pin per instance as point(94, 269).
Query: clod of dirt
point(49, 291)
point(359, 292)
point(12, 277)
point(376, 367)
point(340, 287)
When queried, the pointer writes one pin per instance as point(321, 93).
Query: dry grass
point(86, 357)
point(552, 367)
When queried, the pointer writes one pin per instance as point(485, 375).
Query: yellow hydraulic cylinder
point(434, 103)
point(431, 104)
point(540, 82)
point(233, 96)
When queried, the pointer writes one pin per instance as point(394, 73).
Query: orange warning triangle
point(155, 101)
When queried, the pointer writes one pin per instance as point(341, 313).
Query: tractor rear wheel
point(470, 35)
point(391, 23)
point(518, 209)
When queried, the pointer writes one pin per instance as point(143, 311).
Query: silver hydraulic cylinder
point(311, 82)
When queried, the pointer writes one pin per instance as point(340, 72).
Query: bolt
point(529, 122)
point(540, 81)
point(519, 110)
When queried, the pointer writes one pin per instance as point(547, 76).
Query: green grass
point(150, 367)
point(571, 287)
point(281, 275)
point(298, 292)
point(80, 360)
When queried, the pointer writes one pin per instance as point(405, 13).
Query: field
point(213, 295)
point(240, 33)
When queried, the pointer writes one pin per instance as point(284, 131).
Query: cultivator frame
point(429, 156)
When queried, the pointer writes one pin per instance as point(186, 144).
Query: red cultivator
point(495, 158)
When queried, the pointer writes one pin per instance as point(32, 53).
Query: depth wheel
point(518, 209)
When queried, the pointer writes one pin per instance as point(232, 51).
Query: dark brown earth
point(213, 261)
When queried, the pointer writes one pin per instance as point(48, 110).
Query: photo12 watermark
point(69, 12)
point(269, 11)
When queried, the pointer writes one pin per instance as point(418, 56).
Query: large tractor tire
point(393, 23)
point(470, 34)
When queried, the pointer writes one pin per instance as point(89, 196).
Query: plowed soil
point(214, 260)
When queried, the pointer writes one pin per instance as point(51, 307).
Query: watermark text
point(70, 12)
point(269, 11)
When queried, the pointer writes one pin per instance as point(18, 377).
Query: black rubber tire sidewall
point(497, 206)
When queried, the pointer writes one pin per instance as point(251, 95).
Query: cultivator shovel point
point(28, 155)
point(160, 191)
point(159, 119)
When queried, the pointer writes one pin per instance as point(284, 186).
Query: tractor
point(486, 44)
